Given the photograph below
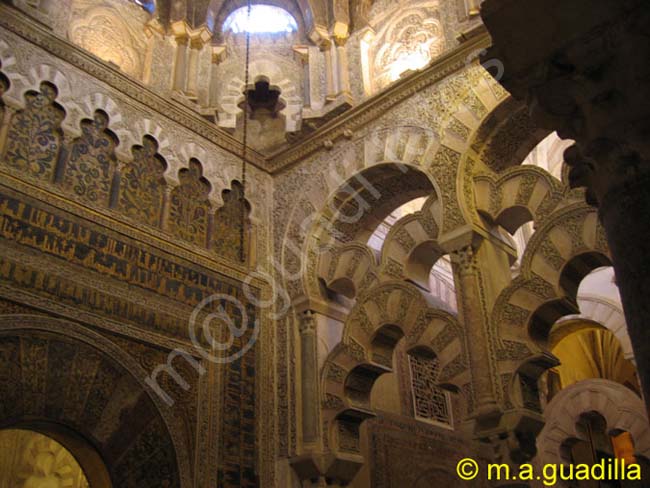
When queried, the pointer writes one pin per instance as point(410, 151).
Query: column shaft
point(180, 66)
point(625, 214)
point(330, 87)
point(193, 68)
point(309, 376)
point(166, 206)
point(475, 322)
point(342, 65)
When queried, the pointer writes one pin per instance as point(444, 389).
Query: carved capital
point(307, 323)
point(199, 37)
point(465, 258)
point(218, 53)
point(340, 41)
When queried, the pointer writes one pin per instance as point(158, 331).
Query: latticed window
point(430, 402)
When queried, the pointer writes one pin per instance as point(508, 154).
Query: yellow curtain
point(593, 353)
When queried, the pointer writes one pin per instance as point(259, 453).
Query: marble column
point(198, 39)
point(166, 207)
point(180, 64)
point(342, 65)
point(625, 215)
point(7, 115)
point(218, 56)
point(330, 78)
point(309, 377)
point(193, 67)
point(582, 68)
point(465, 263)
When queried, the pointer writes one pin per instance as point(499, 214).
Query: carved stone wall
point(106, 220)
point(34, 137)
point(121, 212)
point(406, 40)
point(111, 30)
point(405, 452)
point(53, 376)
point(53, 135)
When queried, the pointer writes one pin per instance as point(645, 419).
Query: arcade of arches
point(436, 249)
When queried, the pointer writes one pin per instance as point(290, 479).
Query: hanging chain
point(242, 228)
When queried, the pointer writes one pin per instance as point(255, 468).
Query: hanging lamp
point(242, 227)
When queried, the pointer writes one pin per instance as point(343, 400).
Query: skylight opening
point(264, 19)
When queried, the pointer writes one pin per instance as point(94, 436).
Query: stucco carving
point(618, 405)
point(114, 35)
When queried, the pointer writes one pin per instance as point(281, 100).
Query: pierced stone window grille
point(430, 402)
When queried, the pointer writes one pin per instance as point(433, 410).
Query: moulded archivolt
point(621, 409)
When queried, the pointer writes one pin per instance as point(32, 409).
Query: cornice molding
point(349, 122)
point(372, 108)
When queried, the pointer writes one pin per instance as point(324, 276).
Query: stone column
point(4, 126)
point(342, 66)
point(301, 54)
point(218, 56)
point(309, 377)
point(180, 63)
point(198, 39)
point(193, 67)
point(582, 67)
point(470, 299)
point(330, 79)
point(155, 34)
point(625, 214)
point(166, 206)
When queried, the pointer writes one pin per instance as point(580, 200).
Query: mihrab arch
point(80, 380)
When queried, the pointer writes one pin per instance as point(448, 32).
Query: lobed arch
point(91, 343)
point(129, 127)
point(386, 314)
point(411, 249)
point(500, 188)
point(261, 70)
point(520, 194)
point(622, 410)
point(32, 79)
point(409, 252)
point(88, 107)
point(150, 128)
point(351, 215)
point(349, 269)
point(569, 245)
point(309, 217)
point(20, 85)
point(218, 173)
point(441, 151)
point(8, 68)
